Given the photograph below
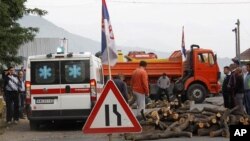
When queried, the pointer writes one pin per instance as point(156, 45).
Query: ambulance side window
point(75, 71)
point(43, 72)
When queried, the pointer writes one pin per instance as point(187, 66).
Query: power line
point(183, 3)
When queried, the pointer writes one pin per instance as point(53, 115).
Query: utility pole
point(238, 40)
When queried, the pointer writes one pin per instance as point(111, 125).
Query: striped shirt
point(12, 83)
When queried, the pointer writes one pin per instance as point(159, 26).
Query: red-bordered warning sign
point(111, 114)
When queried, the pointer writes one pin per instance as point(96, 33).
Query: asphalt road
point(70, 131)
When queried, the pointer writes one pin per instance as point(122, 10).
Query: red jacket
point(139, 81)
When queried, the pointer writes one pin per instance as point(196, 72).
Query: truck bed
point(172, 67)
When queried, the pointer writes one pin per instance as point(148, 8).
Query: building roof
point(245, 56)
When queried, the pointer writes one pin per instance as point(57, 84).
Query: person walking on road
point(163, 84)
point(12, 97)
point(139, 85)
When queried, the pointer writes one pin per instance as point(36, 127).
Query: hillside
point(50, 30)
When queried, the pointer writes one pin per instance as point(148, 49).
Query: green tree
point(12, 35)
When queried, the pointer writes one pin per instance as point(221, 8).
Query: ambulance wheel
point(197, 92)
point(34, 125)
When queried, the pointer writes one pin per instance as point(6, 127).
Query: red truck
point(194, 78)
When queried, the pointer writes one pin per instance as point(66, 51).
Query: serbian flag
point(109, 55)
point(183, 49)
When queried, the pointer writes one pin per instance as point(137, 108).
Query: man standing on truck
point(163, 84)
point(139, 85)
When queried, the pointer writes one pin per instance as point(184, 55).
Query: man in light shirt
point(163, 84)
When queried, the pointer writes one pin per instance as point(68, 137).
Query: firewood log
point(191, 128)
point(207, 125)
point(158, 135)
point(234, 119)
point(212, 119)
point(173, 117)
point(206, 131)
point(182, 126)
point(201, 124)
point(172, 125)
point(213, 110)
point(208, 113)
point(224, 120)
point(218, 115)
point(182, 120)
point(225, 133)
point(160, 125)
point(216, 133)
point(200, 116)
point(242, 120)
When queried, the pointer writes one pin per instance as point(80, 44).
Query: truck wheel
point(197, 92)
point(34, 125)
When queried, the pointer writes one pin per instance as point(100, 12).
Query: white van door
point(45, 86)
point(75, 94)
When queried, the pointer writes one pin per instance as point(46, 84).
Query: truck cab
point(201, 74)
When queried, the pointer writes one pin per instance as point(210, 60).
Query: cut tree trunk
point(206, 131)
point(158, 135)
point(216, 133)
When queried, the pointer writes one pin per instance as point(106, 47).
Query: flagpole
point(109, 62)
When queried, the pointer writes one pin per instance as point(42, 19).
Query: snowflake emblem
point(45, 72)
point(74, 71)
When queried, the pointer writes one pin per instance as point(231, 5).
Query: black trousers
point(12, 105)
point(160, 95)
point(228, 100)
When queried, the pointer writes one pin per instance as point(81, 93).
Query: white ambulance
point(62, 86)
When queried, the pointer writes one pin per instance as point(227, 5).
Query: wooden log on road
point(182, 126)
point(172, 125)
point(206, 131)
point(213, 110)
point(207, 113)
point(216, 133)
point(158, 135)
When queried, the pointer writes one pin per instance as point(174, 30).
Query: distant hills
point(47, 29)
point(79, 44)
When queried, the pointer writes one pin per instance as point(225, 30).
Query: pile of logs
point(2, 115)
point(176, 120)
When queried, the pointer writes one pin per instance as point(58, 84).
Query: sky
point(156, 24)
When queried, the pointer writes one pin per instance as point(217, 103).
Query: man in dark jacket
point(225, 90)
point(121, 86)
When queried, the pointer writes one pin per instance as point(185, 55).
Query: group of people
point(14, 94)
point(236, 86)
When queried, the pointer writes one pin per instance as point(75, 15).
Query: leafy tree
point(12, 35)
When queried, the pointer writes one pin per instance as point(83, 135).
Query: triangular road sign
point(111, 114)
